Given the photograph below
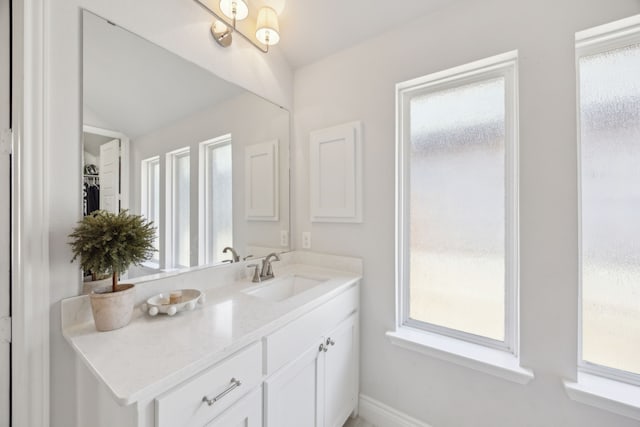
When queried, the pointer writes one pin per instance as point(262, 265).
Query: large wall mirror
point(204, 159)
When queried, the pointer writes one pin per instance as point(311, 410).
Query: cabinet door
point(291, 396)
point(339, 371)
point(245, 413)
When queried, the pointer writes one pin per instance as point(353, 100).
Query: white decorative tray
point(172, 302)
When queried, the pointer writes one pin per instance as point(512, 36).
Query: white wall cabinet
point(318, 388)
point(261, 183)
point(335, 173)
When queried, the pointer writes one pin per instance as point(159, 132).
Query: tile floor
point(357, 422)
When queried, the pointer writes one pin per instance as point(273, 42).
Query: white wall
point(91, 118)
point(358, 84)
point(179, 25)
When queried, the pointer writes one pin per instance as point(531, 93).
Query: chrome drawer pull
point(232, 385)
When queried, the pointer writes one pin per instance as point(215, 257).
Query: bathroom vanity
point(283, 352)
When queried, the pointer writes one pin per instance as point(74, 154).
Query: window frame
point(145, 202)
point(203, 197)
point(587, 43)
point(171, 256)
point(506, 66)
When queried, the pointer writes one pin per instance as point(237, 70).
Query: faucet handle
point(256, 272)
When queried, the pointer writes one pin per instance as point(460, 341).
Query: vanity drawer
point(287, 343)
point(222, 384)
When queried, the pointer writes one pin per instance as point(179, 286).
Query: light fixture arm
point(234, 11)
point(232, 25)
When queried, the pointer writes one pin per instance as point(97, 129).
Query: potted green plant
point(109, 243)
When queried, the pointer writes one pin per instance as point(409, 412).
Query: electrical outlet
point(284, 238)
point(306, 240)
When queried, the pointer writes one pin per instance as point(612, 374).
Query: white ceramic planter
point(112, 310)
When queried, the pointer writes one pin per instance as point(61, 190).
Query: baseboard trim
point(381, 415)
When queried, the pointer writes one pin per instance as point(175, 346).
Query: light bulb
point(239, 6)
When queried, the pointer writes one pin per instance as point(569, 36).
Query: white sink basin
point(280, 289)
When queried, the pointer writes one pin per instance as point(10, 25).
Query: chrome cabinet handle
point(232, 385)
point(325, 345)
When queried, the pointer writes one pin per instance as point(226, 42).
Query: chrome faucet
point(267, 269)
point(256, 272)
point(235, 257)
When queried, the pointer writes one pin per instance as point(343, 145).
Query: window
point(457, 204)
point(150, 203)
point(216, 203)
point(609, 142)
point(178, 211)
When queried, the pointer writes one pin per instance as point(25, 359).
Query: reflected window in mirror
point(216, 200)
point(178, 212)
point(150, 202)
point(122, 95)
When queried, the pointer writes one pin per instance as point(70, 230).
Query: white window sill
point(488, 360)
point(610, 395)
point(151, 264)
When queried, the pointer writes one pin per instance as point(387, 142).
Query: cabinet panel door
point(282, 346)
point(291, 396)
point(246, 413)
point(340, 376)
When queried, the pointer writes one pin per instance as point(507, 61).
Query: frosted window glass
point(181, 215)
point(219, 202)
point(457, 208)
point(610, 180)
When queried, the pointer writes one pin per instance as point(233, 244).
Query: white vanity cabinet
point(318, 385)
point(238, 361)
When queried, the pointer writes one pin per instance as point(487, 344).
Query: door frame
point(5, 213)
point(125, 155)
point(30, 282)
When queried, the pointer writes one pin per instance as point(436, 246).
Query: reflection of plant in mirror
point(108, 242)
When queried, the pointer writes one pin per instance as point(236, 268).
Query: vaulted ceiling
point(313, 29)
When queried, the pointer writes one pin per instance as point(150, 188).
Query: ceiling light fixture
point(267, 31)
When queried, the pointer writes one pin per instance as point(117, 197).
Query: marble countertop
point(152, 354)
